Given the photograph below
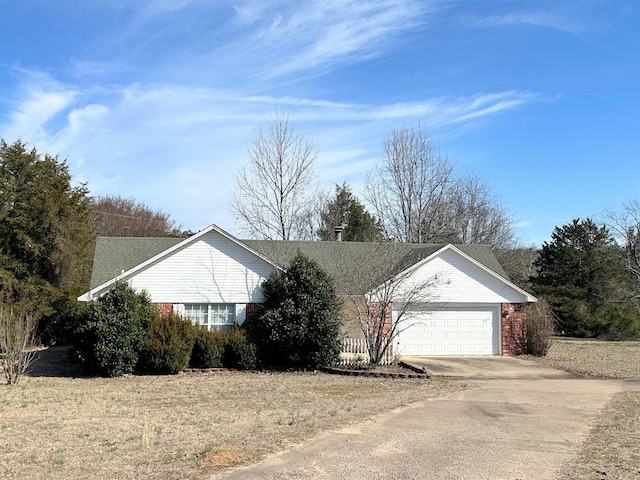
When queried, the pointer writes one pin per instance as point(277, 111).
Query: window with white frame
point(214, 316)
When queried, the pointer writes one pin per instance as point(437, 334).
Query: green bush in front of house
point(239, 351)
point(168, 345)
point(208, 349)
point(231, 349)
point(113, 330)
point(300, 324)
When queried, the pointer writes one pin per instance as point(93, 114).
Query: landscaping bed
point(395, 370)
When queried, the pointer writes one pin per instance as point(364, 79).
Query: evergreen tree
point(46, 238)
point(582, 275)
point(300, 324)
point(345, 209)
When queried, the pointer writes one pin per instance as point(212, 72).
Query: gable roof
point(528, 297)
point(116, 257)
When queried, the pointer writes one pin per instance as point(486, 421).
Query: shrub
point(300, 323)
point(232, 349)
point(539, 328)
point(240, 352)
point(169, 344)
point(17, 337)
point(208, 349)
point(113, 330)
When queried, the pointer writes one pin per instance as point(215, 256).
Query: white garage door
point(460, 331)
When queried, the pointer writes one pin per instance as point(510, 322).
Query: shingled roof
point(115, 255)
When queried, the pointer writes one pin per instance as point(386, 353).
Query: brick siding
point(514, 329)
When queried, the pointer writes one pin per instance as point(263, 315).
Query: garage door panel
point(466, 331)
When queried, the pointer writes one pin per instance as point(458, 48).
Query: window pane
point(197, 313)
point(216, 316)
point(223, 314)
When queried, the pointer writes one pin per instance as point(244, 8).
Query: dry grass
point(612, 449)
point(594, 358)
point(182, 426)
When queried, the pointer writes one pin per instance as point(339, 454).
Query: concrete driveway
point(484, 367)
point(509, 428)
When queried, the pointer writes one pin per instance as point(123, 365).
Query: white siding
point(212, 269)
point(461, 281)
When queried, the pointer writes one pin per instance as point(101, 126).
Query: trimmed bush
point(240, 352)
point(231, 349)
point(209, 349)
point(168, 345)
point(113, 330)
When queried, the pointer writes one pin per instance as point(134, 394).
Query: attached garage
point(469, 309)
point(472, 330)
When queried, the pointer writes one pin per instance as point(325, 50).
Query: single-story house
point(214, 279)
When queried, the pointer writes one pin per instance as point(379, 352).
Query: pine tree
point(344, 209)
point(582, 275)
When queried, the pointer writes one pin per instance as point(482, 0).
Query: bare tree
point(626, 226)
point(408, 191)
point(274, 198)
point(114, 216)
point(476, 216)
point(380, 295)
point(17, 337)
point(419, 199)
point(519, 264)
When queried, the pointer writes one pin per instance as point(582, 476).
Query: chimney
point(338, 230)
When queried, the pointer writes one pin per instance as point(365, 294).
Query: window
point(215, 316)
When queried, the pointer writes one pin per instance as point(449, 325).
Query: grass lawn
point(612, 449)
point(183, 426)
point(57, 425)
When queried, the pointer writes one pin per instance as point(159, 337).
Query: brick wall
point(165, 308)
point(514, 329)
point(253, 310)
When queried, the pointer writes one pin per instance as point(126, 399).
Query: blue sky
point(158, 100)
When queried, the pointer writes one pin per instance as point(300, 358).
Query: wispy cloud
point(159, 142)
point(557, 21)
point(32, 107)
point(523, 224)
point(84, 68)
point(316, 35)
point(165, 109)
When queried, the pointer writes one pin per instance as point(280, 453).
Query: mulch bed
point(400, 370)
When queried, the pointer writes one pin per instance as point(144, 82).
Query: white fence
point(354, 352)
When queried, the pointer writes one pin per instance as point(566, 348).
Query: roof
point(360, 266)
point(115, 255)
point(354, 262)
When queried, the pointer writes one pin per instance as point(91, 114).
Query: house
point(214, 279)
